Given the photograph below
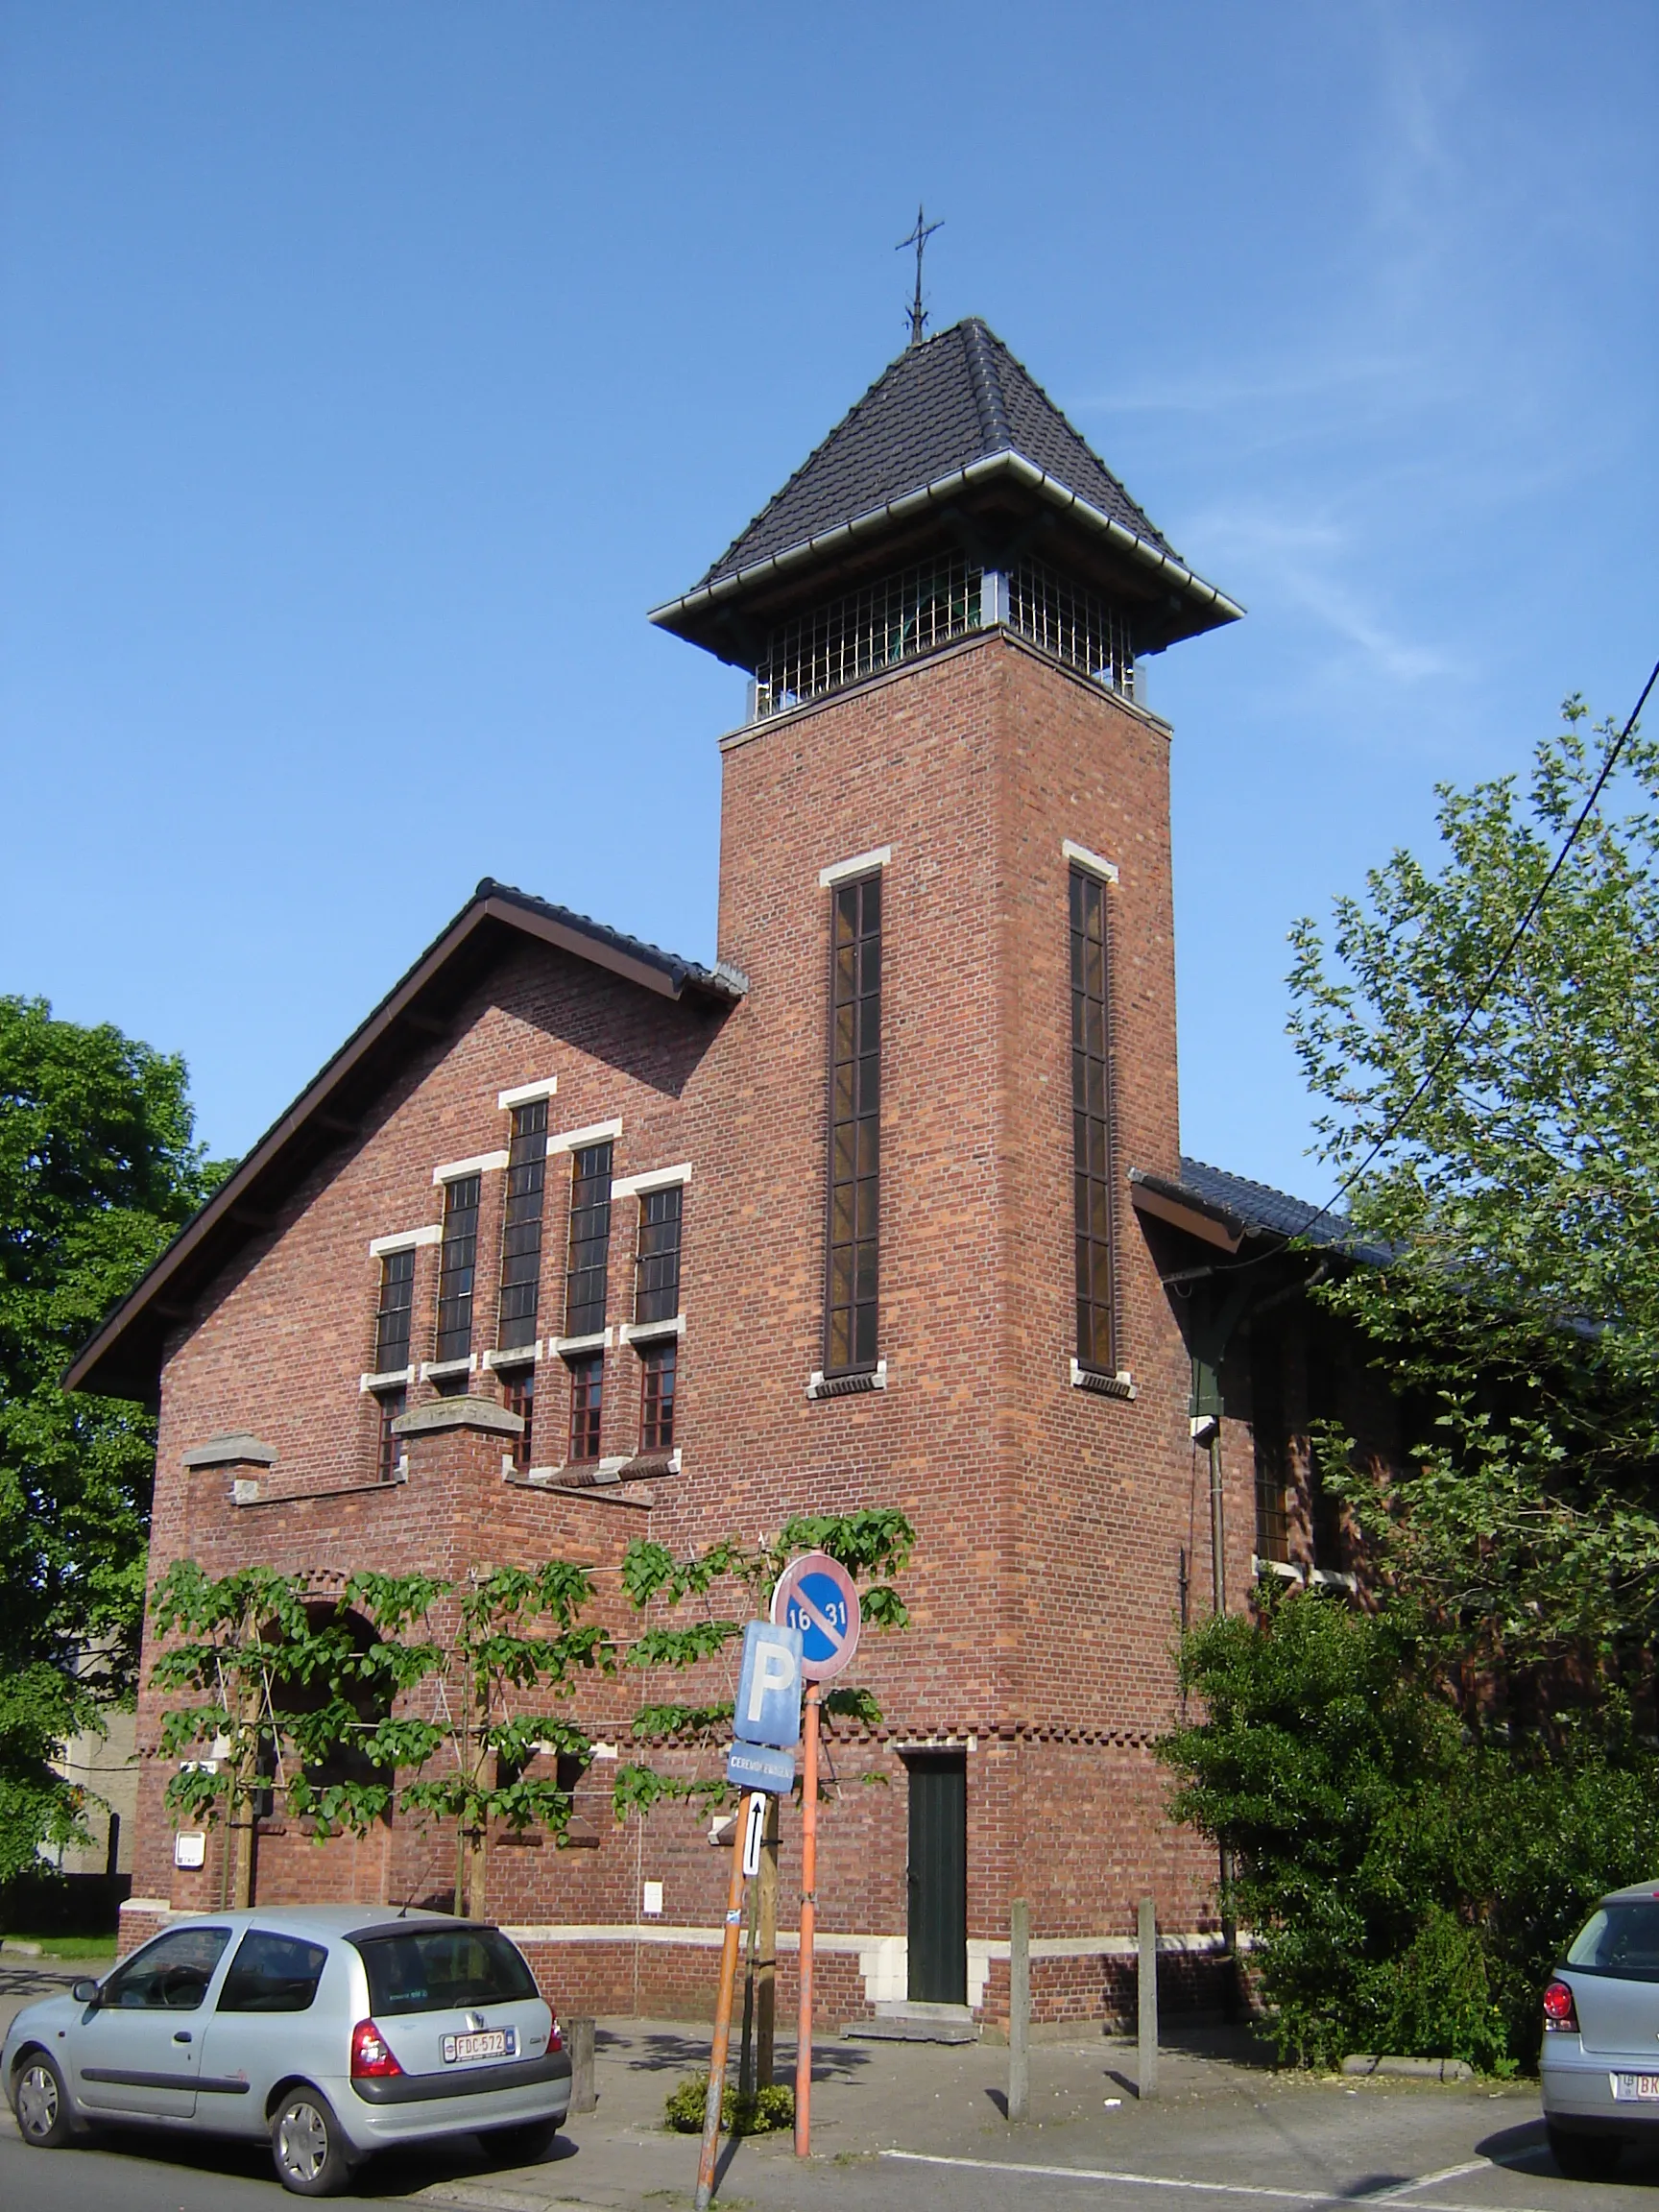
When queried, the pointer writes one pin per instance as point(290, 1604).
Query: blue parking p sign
point(769, 1687)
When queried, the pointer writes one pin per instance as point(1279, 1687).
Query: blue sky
point(369, 366)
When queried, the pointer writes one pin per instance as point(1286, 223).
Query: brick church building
point(575, 1239)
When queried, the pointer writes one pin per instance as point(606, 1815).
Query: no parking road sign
point(815, 1595)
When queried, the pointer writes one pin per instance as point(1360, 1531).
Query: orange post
point(808, 1918)
point(722, 2019)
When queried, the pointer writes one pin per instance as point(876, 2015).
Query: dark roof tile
point(958, 398)
point(1251, 1209)
point(722, 982)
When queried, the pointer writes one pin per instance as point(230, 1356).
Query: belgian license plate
point(488, 2043)
point(1636, 2088)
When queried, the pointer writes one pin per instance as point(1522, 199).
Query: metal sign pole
point(808, 1918)
point(723, 2014)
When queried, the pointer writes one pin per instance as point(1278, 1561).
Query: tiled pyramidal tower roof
point(959, 398)
point(954, 429)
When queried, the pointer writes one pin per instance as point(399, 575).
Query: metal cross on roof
point(918, 238)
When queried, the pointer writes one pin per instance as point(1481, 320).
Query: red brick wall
point(1044, 1591)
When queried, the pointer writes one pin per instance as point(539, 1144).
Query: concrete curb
point(1420, 2069)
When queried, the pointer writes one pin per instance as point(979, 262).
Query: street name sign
point(757, 1767)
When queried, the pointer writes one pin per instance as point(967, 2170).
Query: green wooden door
point(938, 1878)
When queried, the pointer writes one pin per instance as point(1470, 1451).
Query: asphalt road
point(912, 2128)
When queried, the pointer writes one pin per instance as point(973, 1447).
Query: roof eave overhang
point(111, 1362)
point(688, 614)
point(1169, 1202)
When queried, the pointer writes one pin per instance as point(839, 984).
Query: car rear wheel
point(525, 2143)
point(41, 2103)
point(311, 2154)
point(1583, 2157)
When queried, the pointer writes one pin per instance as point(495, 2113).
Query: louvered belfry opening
point(913, 611)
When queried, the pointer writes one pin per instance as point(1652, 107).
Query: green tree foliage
point(98, 1171)
point(1519, 1310)
point(1408, 1887)
point(689, 1630)
point(437, 1698)
point(456, 1686)
point(1424, 1800)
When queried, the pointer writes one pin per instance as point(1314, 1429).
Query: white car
point(1600, 2058)
point(335, 2032)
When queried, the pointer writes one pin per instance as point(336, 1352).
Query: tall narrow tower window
point(457, 1267)
point(589, 1258)
point(854, 1127)
point(1091, 1122)
point(522, 1226)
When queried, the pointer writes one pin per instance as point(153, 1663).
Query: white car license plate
point(1635, 2088)
point(488, 2043)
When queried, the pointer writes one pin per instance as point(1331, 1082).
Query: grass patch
point(64, 1946)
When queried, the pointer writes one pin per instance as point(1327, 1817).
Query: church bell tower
point(945, 873)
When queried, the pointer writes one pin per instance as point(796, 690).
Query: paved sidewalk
point(906, 2125)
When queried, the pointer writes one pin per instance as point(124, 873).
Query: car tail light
point(1560, 2013)
point(555, 2035)
point(371, 2059)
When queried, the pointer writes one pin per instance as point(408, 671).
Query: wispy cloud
point(1303, 565)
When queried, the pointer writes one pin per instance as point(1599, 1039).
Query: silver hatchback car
point(333, 2030)
point(1601, 2058)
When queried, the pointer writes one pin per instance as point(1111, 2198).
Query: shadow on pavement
point(393, 2174)
point(1526, 2149)
point(685, 2051)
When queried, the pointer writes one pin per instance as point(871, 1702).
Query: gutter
point(1004, 464)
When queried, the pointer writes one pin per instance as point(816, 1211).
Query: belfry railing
point(915, 610)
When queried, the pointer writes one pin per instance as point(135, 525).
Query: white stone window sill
point(405, 1240)
point(1319, 1577)
point(444, 1370)
point(648, 1331)
point(576, 1140)
point(858, 1385)
point(1118, 1386)
point(573, 1347)
point(860, 864)
point(1093, 862)
point(654, 1179)
point(519, 1356)
point(600, 1471)
point(480, 1163)
point(393, 1379)
point(526, 1094)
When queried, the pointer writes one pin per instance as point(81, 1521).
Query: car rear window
point(272, 1974)
point(442, 1969)
point(1622, 1940)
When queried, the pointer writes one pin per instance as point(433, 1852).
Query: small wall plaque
point(190, 1848)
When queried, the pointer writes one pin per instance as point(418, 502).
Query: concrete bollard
point(1019, 2010)
point(1147, 1995)
point(579, 2042)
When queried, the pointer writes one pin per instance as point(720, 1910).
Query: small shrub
point(760, 2114)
